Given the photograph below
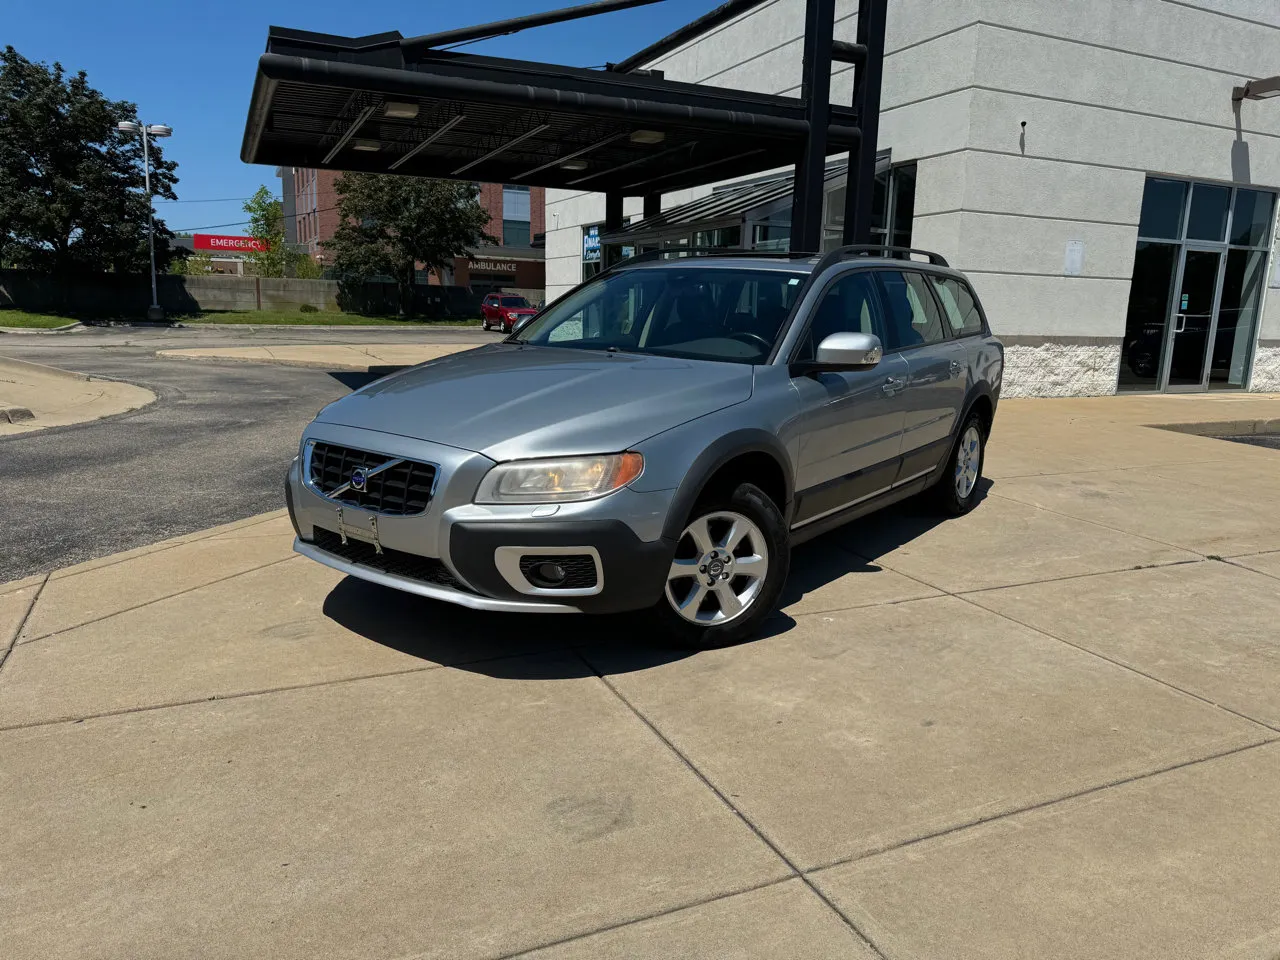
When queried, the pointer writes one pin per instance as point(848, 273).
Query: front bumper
point(475, 543)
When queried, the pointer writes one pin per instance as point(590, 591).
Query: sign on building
point(223, 244)
point(591, 245)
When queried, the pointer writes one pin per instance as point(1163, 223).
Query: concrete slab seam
point(724, 799)
point(241, 695)
point(1121, 664)
point(1097, 523)
point(13, 640)
point(608, 928)
point(1240, 566)
point(1044, 804)
point(147, 603)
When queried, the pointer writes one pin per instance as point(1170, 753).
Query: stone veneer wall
point(1266, 367)
point(1060, 367)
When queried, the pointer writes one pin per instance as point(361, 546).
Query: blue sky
point(192, 65)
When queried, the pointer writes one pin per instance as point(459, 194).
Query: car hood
point(510, 401)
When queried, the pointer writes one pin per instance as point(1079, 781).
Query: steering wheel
point(752, 338)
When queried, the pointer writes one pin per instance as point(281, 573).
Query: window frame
point(837, 277)
point(983, 328)
point(947, 334)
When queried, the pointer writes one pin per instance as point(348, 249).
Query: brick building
point(517, 221)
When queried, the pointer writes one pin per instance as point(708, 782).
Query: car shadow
point(518, 646)
point(354, 379)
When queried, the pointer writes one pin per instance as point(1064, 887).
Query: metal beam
point(439, 132)
point(504, 148)
point(356, 124)
point(815, 92)
point(571, 156)
point(861, 177)
point(843, 52)
point(414, 48)
point(634, 163)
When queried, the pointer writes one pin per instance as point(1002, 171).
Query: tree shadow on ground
point(554, 646)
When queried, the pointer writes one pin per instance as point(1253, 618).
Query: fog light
point(550, 574)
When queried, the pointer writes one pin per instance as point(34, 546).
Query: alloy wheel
point(720, 567)
point(968, 461)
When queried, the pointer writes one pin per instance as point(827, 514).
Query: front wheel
point(729, 569)
point(956, 492)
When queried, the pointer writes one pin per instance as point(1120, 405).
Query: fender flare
point(976, 391)
point(715, 456)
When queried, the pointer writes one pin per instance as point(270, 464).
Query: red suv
point(503, 311)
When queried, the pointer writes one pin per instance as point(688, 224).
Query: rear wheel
point(956, 492)
point(729, 568)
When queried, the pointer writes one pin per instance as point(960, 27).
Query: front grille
point(401, 489)
point(409, 565)
point(580, 567)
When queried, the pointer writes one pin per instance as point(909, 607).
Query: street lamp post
point(155, 311)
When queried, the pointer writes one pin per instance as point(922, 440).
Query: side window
point(848, 306)
point(959, 305)
point(911, 313)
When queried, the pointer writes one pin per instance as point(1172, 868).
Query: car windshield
point(700, 312)
point(514, 302)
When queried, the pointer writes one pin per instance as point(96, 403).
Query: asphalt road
point(213, 448)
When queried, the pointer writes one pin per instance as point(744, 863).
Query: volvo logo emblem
point(358, 479)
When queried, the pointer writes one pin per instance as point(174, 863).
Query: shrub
point(308, 308)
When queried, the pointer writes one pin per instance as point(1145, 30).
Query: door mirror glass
point(848, 351)
point(521, 324)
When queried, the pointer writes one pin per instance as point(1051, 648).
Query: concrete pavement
point(1048, 729)
point(357, 358)
point(34, 396)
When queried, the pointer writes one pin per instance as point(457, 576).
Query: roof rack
point(877, 250)
point(711, 252)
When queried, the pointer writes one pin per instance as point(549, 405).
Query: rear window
point(959, 304)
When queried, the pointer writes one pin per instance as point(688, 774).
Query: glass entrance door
point(1197, 289)
point(1191, 329)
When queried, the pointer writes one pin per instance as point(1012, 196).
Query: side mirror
point(521, 324)
point(842, 351)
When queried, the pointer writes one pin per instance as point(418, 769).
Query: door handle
point(1180, 323)
point(892, 385)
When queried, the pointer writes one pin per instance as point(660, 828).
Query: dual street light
point(155, 311)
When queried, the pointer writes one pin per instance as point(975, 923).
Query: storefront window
point(1162, 206)
point(1209, 205)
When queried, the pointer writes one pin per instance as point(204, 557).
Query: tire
point(956, 492)
point(708, 619)
point(484, 324)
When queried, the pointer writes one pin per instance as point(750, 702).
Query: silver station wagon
point(659, 438)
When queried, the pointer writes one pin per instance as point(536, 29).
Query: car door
point(850, 421)
point(937, 369)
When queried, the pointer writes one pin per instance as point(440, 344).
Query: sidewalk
point(33, 397)
point(357, 358)
point(1050, 729)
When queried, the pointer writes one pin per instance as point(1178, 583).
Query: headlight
point(512, 316)
point(560, 480)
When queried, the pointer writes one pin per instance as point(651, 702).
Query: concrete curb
point(42, 370)
point(336, 366)
point(1224, 428)
point(39, 331)
point(15, 414)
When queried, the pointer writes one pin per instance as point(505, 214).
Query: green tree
point(389, 224)
point(192, 265)
point(266, 223)
point(71, 186)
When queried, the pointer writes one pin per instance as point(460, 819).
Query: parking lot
point(1046, 729)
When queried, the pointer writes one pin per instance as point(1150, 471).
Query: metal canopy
point(344, 103)
point(724, 206)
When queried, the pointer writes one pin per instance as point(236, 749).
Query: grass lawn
point(22, 318)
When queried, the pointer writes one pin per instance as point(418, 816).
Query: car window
point(514, 302)
point(912, 315)
point(848, 306)
point(959, 304)
point(695, 311)
point(491, 300)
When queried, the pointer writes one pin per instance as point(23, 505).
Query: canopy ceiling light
point(648, 136)
point(401, 111)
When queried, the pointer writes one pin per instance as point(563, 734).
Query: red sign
point(223, 244)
